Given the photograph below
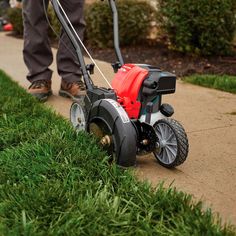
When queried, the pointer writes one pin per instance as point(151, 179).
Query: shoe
point(41, 89)
point(73, 90)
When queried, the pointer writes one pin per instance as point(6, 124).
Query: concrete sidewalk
point(210, 171)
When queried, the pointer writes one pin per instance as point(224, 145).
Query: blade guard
point(127, 84)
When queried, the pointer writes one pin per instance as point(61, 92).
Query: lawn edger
point(128, 118)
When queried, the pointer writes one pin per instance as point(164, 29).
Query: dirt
point(159, 55)
point(178, 63)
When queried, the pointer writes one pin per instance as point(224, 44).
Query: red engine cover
point(127, 84)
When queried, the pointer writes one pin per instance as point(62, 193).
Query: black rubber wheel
point(109, 122)
point(173, 143)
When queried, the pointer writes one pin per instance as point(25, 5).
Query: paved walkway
point(210, 171)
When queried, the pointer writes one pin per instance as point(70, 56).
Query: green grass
point(224, 82)
point(56, 182)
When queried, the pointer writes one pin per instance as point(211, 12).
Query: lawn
point(56, 182)
point(225, 83)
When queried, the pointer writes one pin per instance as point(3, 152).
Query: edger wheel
point(173, 143)
point(78, 116)
point(109, 122)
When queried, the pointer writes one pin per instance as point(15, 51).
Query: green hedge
point(203, 26)
point(134, 22)
point(15, 17)
point(53, 33)
point(135, 18)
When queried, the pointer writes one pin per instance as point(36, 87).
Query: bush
point(133, 29)
point(205, 27)
point(15, 17)
point(54, 23)
point(134, 22)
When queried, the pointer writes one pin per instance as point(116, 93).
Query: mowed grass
point(56, 182)
point(225, 83)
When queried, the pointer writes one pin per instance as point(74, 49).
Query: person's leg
point(37, 51)
point(68, 65)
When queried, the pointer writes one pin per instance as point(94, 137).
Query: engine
point(140, 87)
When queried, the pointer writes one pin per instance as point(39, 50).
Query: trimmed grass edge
point(54, 181)
point(224, 83)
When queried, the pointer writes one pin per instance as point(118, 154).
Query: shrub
point(134, 22)
point(54, 23)
point(3, 6)
point(205, 27)
point(15, 17)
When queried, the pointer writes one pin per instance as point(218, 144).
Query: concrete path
point(210, 171)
